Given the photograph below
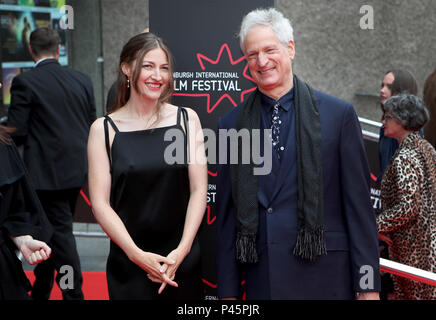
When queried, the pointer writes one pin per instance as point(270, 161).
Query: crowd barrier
point(408, 272)
point(369, 134)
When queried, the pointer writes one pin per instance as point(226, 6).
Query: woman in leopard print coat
point(408, 192)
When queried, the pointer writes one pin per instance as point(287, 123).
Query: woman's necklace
point(149, 123)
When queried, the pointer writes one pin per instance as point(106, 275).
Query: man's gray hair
point(267, 17)
point(408, 110)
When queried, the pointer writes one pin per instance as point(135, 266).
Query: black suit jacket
point(52, 108)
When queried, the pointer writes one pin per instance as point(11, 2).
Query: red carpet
point(94, 286)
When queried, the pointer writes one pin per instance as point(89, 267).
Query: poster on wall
point(18, 18)
point(16, 27)
point(211, 76)
point(35, 3)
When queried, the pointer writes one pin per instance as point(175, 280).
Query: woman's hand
point(34, 251)
point(155, 265)
point(177, 255)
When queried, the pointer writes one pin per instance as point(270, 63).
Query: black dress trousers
point(59, 206)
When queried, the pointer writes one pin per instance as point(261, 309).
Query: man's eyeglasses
point(387, 117)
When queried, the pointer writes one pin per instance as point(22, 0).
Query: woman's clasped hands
point(161, 269)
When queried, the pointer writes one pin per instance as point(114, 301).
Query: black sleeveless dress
point(151, 198)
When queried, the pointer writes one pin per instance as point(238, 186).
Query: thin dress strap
point(179, 109)
point(106, 135)
point(186, 123)
point(112, 123)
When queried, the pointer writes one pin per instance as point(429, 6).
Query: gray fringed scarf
point(310, 240)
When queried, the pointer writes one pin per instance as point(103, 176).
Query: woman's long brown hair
point(404, 82)
point(133, 54)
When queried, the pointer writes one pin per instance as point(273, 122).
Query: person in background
point(23, 224)
point(408, 217)
point(430, 101)
point(394, 82)
point(52, 109)
point(150, 207)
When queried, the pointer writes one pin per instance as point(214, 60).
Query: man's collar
point(42, 60)
point(285, 101)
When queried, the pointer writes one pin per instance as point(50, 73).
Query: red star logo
point(204, 61)
point(201, 59)
point(210, 220)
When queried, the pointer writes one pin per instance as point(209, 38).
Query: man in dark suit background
point(52, 108)
point(307, 229)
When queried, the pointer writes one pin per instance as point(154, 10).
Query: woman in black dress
point(22, 221)
point(148, 190)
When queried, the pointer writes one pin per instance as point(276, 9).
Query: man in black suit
point(52, 108)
